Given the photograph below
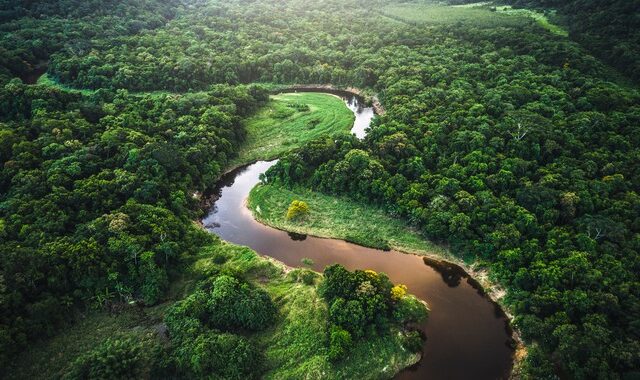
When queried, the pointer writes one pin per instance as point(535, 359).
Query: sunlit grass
point(339, 218)
point(432, 14)
point(541, 18)
point(279, 127)
point(480, 13)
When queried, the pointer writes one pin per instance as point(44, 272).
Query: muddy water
point(467, 334)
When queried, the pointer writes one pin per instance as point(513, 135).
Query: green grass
point(540, 17)
point(48, 359)
point(279, 127)
point(339, 218)
point(477, 13)
point(295, 347)
point(433, 14)
point(46, 80)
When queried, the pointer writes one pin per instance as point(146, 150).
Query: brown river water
point(467, 334)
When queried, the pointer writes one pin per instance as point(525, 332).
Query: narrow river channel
point(467, 334)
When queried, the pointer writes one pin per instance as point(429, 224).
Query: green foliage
point(413, 341)
point(339, 343)
point(126, 357)
point(614, 35)
point(409, 309)
point(95, 206)
point(222, 303)
point(233, 304)
point(225, 303)
point(220, 356)
point(511, 144)
point(360, 302)
point(297, 122)
point(297, 210)
point(517, 157)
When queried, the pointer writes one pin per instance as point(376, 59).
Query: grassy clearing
point(433, 14)
point(295, 347)
point(481, 13)
point(290, 120)
point(540, 17)
point(339, 218)
point(46, 80)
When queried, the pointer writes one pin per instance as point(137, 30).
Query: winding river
point(468, 336)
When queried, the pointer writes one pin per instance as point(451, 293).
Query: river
point(468, 335)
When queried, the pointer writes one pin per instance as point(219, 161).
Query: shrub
point(225, 356)
point(412, 341)
point(398, 292)
point(116, 358)
point(297, 210)
point(339, 343)
point(232, 304)
point(409, 310)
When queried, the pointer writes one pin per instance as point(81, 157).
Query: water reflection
point(296, 236)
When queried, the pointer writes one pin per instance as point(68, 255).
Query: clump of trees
point(203, 329)
point(124, 357)
point(362, 303)
point(297, 210)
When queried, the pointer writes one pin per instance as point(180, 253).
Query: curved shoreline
point(378, 108)
point(477, 278)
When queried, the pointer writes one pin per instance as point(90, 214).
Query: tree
point(297, 210)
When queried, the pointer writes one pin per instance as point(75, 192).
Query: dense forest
point(610, 30)
point(516, 147)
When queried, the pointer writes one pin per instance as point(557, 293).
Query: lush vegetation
point(609, 29)
point(337, 218)
point(97, 203)
point(364, 303)
point(510, 143)
point(275, 325)
point(290, 120)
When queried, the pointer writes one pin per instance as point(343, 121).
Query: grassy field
point(290, 120)
point(433, 14)
point(295, 347)
point(339, 218)
point(478, 13)
point(540, 17)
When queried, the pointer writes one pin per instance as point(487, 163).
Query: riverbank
point(288, 121)
point(363, 224)
point(368, 96)
point(338, 218)
point(295, 347)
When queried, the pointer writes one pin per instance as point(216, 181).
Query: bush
point(409, 310)
point(232, 304)
point(412, 341)
point(126, 357)
point(297, 210)
point(225, 356)
point(339, 343)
